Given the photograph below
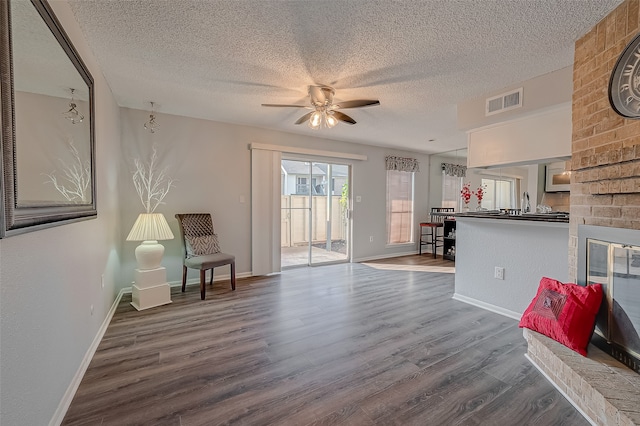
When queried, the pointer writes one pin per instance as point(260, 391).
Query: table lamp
point(150, 288)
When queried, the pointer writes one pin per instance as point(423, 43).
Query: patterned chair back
point(194, 225)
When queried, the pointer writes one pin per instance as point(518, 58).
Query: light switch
point(241, 199)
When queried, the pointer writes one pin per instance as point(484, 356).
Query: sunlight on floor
point(415, 268)
point(299, 255)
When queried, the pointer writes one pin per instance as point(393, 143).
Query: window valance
point(402, 164)
point(457, 170)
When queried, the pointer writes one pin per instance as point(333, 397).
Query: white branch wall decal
point(151, 184)
point(75, 183)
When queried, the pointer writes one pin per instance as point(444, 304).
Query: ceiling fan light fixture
point(315, 120)
point(330, 120)
point(151, 125)
point(325, 113)
point(73, 115)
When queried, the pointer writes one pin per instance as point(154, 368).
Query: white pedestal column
point(150, 288)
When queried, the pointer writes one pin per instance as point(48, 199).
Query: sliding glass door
point(315, 203)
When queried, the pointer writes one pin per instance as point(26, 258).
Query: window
point(451, 186)
point(302, 187)
point(399, 207)
point(499, 193)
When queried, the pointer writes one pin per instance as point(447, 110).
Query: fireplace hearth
point(611, 257)
point(601, 388)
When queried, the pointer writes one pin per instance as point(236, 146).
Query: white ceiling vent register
point(504, 102)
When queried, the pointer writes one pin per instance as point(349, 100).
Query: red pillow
point(564, 312)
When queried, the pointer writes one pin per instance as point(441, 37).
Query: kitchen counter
point(500, 259)
point(560, 217)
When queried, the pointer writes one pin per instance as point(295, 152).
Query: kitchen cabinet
point(449, 245)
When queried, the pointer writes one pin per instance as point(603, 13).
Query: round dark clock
point(624, 84)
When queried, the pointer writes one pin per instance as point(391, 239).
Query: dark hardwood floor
point(360, 344)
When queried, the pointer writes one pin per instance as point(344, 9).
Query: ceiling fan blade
point(287, 106)
point(356, 104)
point(317, 95)
point(304, 118)
point(343, 117)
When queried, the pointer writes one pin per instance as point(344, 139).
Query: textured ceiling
point(220, 60)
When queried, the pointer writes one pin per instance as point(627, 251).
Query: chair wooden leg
point(184, 278)
point(211, 279)
point(434, 240)
point(233, 275)
point(202, 288)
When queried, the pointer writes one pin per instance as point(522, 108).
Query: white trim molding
point(216, 279)
point(487, 306)
point(196, 281)
point(307, 151)
point(61, 411)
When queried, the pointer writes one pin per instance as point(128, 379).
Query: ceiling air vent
point(503, 102)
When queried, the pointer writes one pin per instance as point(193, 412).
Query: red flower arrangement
point(465, 193)
point(479, 193)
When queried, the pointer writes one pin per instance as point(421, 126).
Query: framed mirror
point(47, 138)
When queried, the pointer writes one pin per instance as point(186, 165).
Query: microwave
point(557, 179)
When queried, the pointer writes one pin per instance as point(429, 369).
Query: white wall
point(211, 164)
point(536, 138)
point(538, 93)
point(50, 278)
point(527, 250)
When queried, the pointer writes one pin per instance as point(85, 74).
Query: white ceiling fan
point(325, 111)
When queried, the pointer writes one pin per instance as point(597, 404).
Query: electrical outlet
point(498, 273)
point(371, 239)
point(102, 281)
point(91, 309)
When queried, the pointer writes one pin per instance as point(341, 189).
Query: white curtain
point(265, 211)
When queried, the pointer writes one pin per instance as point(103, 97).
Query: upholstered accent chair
point(201, 249)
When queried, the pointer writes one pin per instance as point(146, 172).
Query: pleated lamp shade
point(150, 226)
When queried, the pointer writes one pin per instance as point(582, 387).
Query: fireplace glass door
point(598, 273)
point(617, 268)
point(625, 307)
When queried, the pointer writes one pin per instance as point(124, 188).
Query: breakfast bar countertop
point(561, 217)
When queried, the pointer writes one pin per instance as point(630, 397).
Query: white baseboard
point(61, 411)
point(384, 256)
point(487, 306)
point(216, 278)
point(191, 281)
point(571, 401)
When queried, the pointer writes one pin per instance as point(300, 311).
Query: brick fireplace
point(605, 184)
point(605, 192)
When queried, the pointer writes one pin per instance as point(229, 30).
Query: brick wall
point(605, 182)
point(588, 382)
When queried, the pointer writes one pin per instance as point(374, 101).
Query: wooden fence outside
point(295, 220)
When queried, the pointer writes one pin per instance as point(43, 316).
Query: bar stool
point(429, 230)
